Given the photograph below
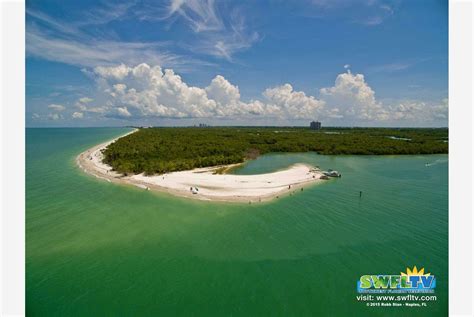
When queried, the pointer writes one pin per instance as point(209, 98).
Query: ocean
point(95, 248)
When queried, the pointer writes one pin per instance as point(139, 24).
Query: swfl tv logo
point(413, 281)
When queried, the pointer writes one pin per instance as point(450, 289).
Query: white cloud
point(106, 12)
point(65, 28)
point(100, 109)
point(82, 42)
point(52, 116)
point(386, 8)
point(222, 91)
point(116, 72)
point(391, 67)
point(55, 116)
point(149, 91)
point(66, 42)
point(201, 15)
point(123, 112)
point(77, 115)
point(85, 100)
point(144, 91)
point(353, 98)
point(294, 104)
point(90, 53)
point(413, 110)
point(235, 38)
point(374, 12)
point(228, 103)
point(56, 107)
point(82, 105)
point(218, 36)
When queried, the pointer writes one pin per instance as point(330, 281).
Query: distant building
point(315, 125)
point(203, 125)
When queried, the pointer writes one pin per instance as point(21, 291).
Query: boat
point(332, 173)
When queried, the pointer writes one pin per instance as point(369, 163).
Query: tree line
point(162, 150)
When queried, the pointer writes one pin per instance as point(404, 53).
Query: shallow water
point(96, 248)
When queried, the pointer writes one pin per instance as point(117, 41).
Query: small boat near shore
point(331, 173)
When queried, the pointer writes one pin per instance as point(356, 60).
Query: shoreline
point(205, 183)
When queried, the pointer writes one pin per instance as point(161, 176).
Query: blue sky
point(346, 63)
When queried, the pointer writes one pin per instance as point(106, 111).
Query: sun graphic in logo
point(415, 272)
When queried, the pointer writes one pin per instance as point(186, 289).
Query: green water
point(101, 249)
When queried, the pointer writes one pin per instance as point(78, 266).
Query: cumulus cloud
point(144, 91)
point(413, 110)
point(82, 103)
point(123, 112)
point(55, 116)
point(353, 97)
point(294, 104)
point(85, 100)
point(56, 107)
point(223, 91)
point(150, 91)
point(52, 116)
point(77, 115)
point(117, 72)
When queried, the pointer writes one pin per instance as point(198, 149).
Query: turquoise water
point(101, 249)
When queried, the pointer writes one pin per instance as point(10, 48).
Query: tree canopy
point(161, 150)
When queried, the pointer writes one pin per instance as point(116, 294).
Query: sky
point(375, 63)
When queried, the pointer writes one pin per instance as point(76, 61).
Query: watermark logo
point(413, 281)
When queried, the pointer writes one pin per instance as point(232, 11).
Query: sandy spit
point(204, 183)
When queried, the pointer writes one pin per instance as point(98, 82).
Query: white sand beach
point(204, 184)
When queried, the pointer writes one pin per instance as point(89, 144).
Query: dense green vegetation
point(159, 150)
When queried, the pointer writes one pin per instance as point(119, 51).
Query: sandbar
point(205, 183)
